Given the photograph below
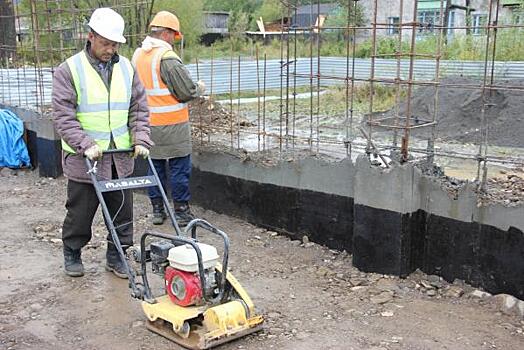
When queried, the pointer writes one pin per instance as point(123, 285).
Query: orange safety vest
point(164, 108)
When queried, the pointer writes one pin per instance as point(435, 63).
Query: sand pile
point(460, 112)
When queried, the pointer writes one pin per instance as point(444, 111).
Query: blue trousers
point(178, 172)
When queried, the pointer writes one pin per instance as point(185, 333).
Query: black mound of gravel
point(460, 111)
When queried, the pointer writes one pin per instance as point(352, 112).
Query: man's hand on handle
point(93, 152)
point(141, 151)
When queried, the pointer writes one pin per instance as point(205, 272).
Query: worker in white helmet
point(98, 104)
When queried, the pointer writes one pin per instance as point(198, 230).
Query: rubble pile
point(508, 190)
point(213, 117)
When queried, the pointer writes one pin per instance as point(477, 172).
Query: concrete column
point(386, 235)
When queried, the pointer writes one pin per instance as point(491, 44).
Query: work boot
point(73, 262)
point(114, 263)
point(159, 215)
point(183, 214)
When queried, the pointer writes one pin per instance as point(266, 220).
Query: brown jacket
point(64, 101)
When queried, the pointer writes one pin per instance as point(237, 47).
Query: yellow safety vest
point(103, 114)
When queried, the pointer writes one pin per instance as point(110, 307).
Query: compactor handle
point(119, 150)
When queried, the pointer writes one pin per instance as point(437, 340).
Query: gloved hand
point(141, 151)
point(94, 152)
point(201, 87)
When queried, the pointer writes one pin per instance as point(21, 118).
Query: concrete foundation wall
point(392, 220)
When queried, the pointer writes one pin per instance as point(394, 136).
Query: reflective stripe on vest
point(164, 108)
point(102, 114)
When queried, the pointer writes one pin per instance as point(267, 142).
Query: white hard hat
point(107, 23)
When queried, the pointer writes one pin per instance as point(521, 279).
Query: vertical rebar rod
point(238, 105)
point(51, 51)
point(258, 97)
point(61, 32)
point(8, 70)
point(483, 144)
point(2, 65)
point(295, 62)
point(264, 104)
point(440, 39)
point(318, 77)
point(311, 33)
point(353, 54)
point(372, 74)
point(36, 49)
point(212, 71)
point(483, 126)
point(10, 53)
point(24, 53)
point(398, 84)
point(231, 95)
point(20, 67)
point(75, 34)
point(494, 49)
point(493, 55)
point(410, 82)
point(281, 106)
point(287, 77)
point(346, 98)
point(197, 68)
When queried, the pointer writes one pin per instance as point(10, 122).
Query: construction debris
point(507, 190)
point(211, 117)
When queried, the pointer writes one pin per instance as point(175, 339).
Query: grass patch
point(331, 103)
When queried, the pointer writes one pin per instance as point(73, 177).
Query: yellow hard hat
point(166, 19)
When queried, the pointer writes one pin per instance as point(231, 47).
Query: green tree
point(339, 16)
point(270, 10)
point(238, 24)
point(190, 14)
point(247, 6)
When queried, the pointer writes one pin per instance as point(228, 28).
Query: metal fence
point(31, 88)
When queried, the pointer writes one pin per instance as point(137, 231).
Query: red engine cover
point(183, 287)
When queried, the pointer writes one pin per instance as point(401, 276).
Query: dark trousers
point(81, 206)
point(178, 172)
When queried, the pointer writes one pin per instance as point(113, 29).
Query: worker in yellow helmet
point(168, 87)
point(98, 104)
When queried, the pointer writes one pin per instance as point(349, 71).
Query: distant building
point(430, 13)
point(464, 17)
point(307, 15)
point(303, 18)
point(215, 26)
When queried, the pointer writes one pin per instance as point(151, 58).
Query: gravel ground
point(311, 297)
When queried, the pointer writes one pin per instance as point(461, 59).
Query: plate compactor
point(202, 304)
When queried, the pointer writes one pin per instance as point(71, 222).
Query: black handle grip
point(119, 150)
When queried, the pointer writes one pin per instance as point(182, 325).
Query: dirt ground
point(311, 297)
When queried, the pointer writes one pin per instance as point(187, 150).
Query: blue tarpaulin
point(13, 151)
